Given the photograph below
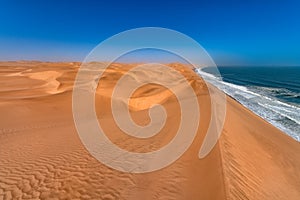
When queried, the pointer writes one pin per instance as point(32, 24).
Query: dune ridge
point(42, 157)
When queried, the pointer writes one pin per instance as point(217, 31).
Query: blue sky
point(233, 32)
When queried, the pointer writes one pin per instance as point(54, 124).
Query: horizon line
point(168, 62)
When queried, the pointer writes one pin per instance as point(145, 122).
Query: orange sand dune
point(42, 157)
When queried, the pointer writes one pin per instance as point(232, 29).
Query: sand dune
point(42, 157)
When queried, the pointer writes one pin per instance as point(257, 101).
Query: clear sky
point(234, 32)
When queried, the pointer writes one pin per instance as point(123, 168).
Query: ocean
point(272, 93)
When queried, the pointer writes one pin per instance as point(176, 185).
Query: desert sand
point(42, 157)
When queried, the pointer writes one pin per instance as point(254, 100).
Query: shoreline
point(228, 96)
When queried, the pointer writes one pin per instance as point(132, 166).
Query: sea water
point(272, 93)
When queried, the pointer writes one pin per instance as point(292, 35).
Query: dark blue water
point(271, 92)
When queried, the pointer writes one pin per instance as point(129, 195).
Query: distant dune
point(42, 157)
